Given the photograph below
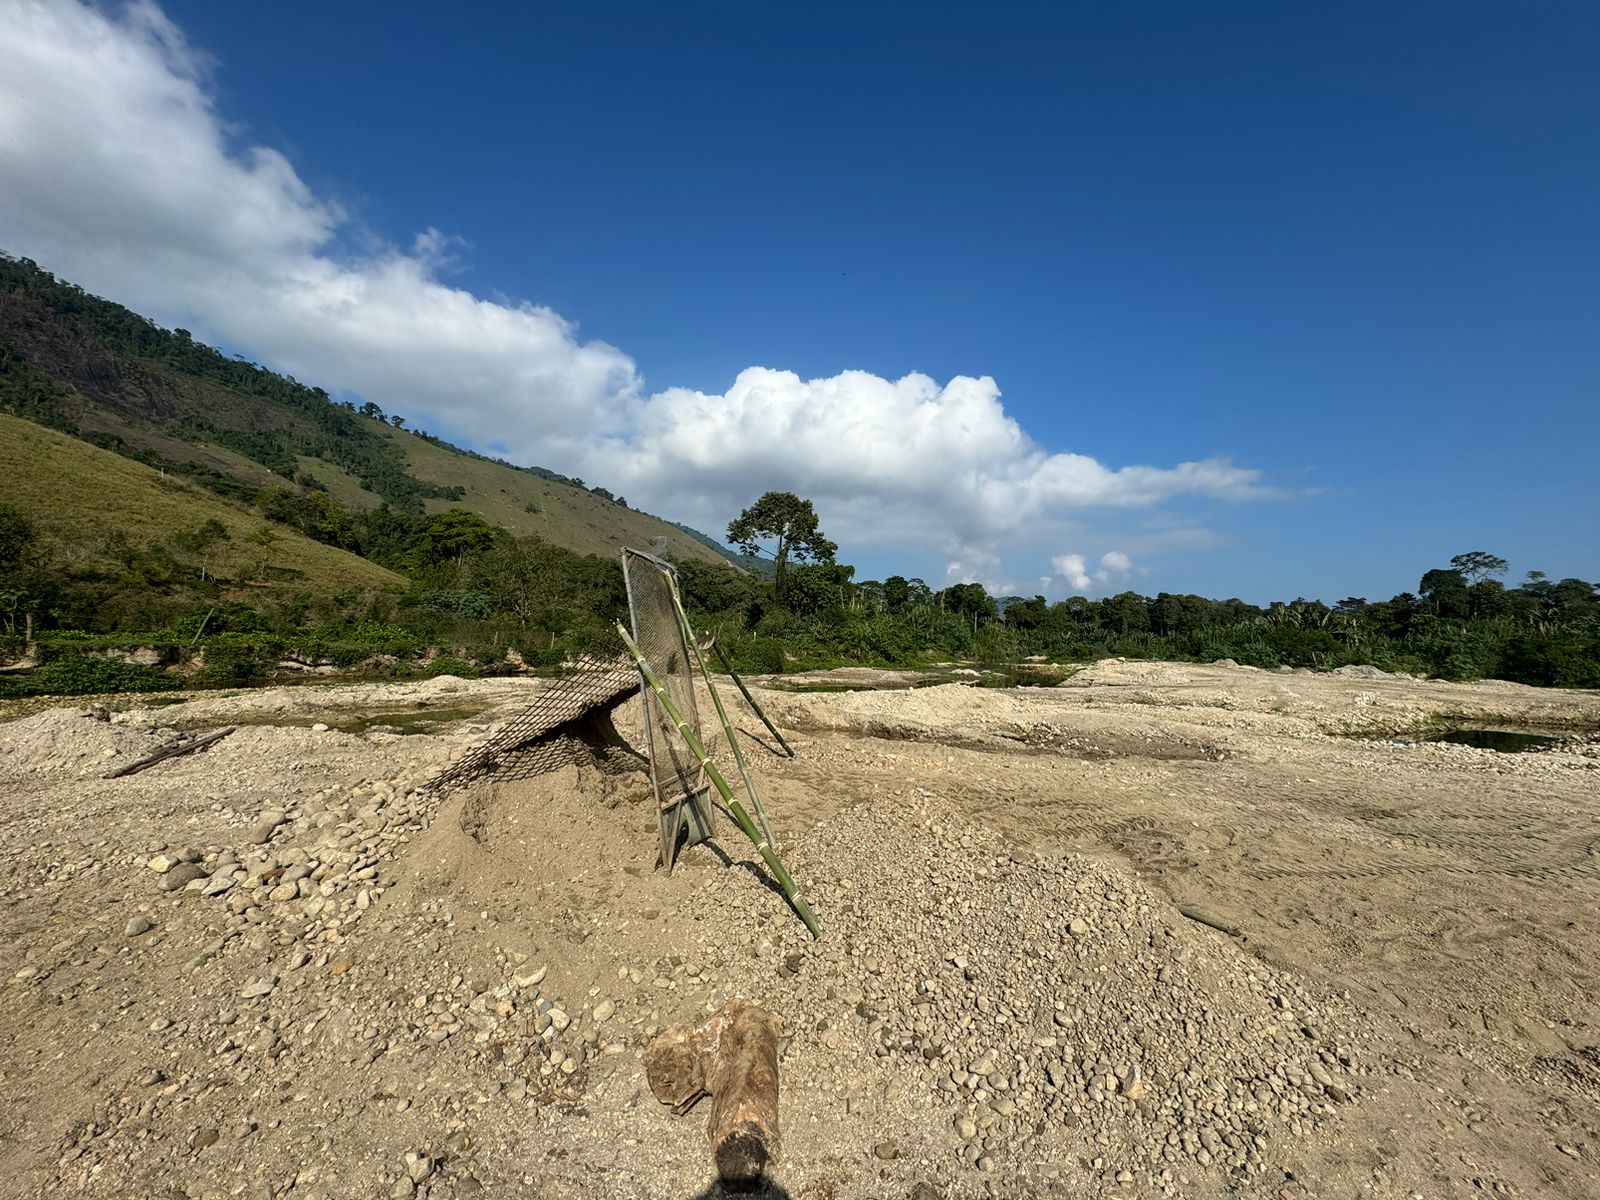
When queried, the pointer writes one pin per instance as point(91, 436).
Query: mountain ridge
point(101, 372)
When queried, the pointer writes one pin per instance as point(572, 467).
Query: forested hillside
point(97, 370)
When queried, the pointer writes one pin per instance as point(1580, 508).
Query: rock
point(320, 727)
point(924, 1191)
point(418, 1166)
point(261, 832)
point(162, 863)
point(221, 882)
point(138, 925)
point(1077, 927)
point(257, 988)
point(181, 875)
point(531, 978)
point(603, 1010)
point(886, 1151)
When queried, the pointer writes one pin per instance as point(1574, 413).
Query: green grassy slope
point(78, 495)
point(566, 515)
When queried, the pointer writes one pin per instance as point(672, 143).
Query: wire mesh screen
point(542, 737)
point(675, 773)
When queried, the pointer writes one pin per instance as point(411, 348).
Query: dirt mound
point(69, 741)
point(1038, 1003)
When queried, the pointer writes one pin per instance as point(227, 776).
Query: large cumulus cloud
point(118, 171)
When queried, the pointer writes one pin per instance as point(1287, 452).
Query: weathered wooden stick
point(735, 806)
point(171, 751)
point(751, 700)
point(733, 1058)
point(1194, 914)
point(722, 715)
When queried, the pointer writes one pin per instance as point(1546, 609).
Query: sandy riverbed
point(367, 1002)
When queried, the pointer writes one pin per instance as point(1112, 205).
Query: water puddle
point(1003, 676)
point(406, 721)
point(1506, 741)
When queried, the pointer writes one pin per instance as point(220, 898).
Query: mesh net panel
point(542, 737)
point(674, 771)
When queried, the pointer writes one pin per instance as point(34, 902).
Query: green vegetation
point(1540, 633)
point(476, 598)
point(788, 522)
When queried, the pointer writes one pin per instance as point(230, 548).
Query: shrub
point(234, 660)
point(84, 674)
point(444, 665)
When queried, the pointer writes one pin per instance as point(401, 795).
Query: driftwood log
point(172, 750)
point(733, 1058)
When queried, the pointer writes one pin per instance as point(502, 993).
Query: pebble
point(138, 925)
point(181, 875)
point(531, 978)
point(418, 1166)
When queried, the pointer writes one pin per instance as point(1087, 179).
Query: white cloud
point(118, 172)
point(882, 451)
point(1074, 571)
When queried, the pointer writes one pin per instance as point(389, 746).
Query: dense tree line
point(1540, 633)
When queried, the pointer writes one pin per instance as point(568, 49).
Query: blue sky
point(1347, 257)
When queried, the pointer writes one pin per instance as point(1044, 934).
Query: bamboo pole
point(750, 700)
point(722, 715)
point(735, 806)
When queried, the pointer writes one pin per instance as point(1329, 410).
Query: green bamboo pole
point(722, 715)
point(736, 807)
point(750, 700)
